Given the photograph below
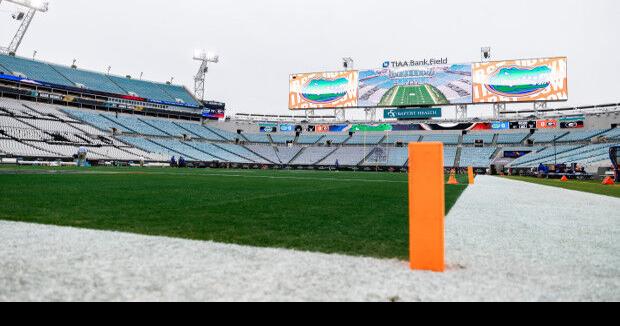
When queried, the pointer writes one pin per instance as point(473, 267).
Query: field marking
point(58, 172)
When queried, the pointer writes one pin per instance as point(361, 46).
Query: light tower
point(33, 6)
point(199, 80)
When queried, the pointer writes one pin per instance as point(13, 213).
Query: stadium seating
point(472, 137)
point(549, 153)
point(19, 149)
point(511, 138)
point(166, 126)
point(391, 156)
point(347, 156)
point(199, 131)
point(89, 80)
point(476, 157)
point(142, 89)
point(449, 156)
point(33, 70)
point(282, 139)
point(97, 120)
point(12, 123)
point(227, 135)
point(365, 139)
point(612, 134)
point(188, 152)
point(134, 125)
point(547, 136)
point(66, 76)
point(218, 152)
point(286, 154)
point(244, 152)
point(576, 136)
point(257, 138)
point(309, 139)
point(312, 155)
point(447, 139)
point(150, 147)
point(335, 139)
point(266, 151)
point(405, 139)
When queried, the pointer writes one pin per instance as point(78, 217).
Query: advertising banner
point(520, 81)
point(323, 90)
point(547, 124)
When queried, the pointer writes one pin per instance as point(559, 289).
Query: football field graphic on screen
point(323, 90)
point(520, 81)
point(421, 86)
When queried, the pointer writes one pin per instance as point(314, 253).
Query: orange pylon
point(564, 179)
point(452, 180)
point(609, 181)
point(426, 207)
point(470, 175)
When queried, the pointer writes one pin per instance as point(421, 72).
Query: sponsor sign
point(402, 114)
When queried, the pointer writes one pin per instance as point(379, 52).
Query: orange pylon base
point(564, 179)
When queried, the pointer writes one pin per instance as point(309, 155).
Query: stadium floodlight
point(205, 58)
point(34, 6)
point(38, 5)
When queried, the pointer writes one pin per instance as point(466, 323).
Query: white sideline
point(505, 240)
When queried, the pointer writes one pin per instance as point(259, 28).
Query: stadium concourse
point(492, 254)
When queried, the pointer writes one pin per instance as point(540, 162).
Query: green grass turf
point(363, 214)
point(413, 95)
point(590, 186)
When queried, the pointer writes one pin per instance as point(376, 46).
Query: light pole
point(199, 80)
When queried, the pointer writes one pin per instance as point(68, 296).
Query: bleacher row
point(38, 130)
point(66, 76)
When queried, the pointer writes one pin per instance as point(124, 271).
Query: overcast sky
point(261, 42)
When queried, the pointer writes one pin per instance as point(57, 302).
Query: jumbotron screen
point(467, 83)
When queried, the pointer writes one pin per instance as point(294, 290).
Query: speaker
point(239, 131)
point(464, 132)
point(328, 143)
point(400, 144)
point(530, 142)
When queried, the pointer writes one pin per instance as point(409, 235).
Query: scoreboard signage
point(432, 82)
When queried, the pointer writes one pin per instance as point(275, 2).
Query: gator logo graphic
point(519, 81)
point(323, 91)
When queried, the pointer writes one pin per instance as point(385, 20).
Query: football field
point(360, 214)
point(413, 95)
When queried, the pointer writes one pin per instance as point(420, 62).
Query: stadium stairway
point(457, 158)
point(233, 153)
point(190, 133)
point(495, 137)
point(255, 153)
point(170, 149)
point(120, 124)
point(202, 151)
point(146, 121)
point(298, 153)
